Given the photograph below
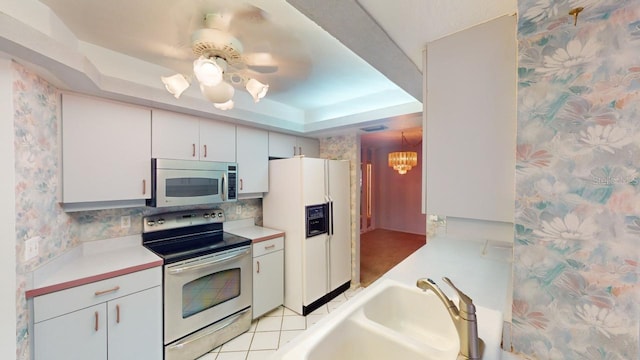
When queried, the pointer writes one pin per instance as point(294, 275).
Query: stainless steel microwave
point(188, 182)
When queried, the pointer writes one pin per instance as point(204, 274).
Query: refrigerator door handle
point(331, 216)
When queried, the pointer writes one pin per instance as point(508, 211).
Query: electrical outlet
point(31, 248)
point(238, 209)
point(125, 222)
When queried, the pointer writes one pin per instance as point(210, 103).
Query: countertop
point(93, 261)
point(480, 269)
point(247, 229)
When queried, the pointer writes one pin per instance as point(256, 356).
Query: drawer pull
point(269, 247)
point(96, 321)
point(117, 314)
point(103, 292)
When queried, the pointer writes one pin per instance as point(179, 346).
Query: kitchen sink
point(394, 321)
point(353, 339)
point(415, 314)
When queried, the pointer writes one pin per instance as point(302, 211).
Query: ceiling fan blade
point(261, 62)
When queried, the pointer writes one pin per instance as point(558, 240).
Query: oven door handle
point(222, 325)
point(183, 269)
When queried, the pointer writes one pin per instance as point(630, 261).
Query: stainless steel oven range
point(207, 280)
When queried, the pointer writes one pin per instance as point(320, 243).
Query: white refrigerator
point(318, 267)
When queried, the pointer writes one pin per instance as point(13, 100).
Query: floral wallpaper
point(36, 184)
point(577, 246)
point(345, 147)
point(38, 213)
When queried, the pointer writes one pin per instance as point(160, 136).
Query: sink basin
point(352, 339)
point(415, 314)
point(395, 321)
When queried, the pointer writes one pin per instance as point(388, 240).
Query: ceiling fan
point(221, 65)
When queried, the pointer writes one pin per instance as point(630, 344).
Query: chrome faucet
point(463, 316)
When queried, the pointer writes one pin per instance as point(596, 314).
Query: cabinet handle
point(205, 151)
point(299, 150)
point(102, 292)
point(96, 321)
point(258, 262)
point(144, 186)
point(117, 314)
point(269, 247)
point(241, 184)
point(294, 150)
point(193, 150)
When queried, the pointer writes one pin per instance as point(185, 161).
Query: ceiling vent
point(374, 128)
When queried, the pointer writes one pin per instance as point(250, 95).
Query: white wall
point(7, 217)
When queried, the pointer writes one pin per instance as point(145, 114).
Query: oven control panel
point(180, 219)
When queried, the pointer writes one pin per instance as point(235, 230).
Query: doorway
point(392, 225)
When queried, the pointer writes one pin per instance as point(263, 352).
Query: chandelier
point(403, 161)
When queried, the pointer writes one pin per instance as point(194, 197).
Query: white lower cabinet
point(77, 335)
point(268, 276)
point(115, 319)
point(135, 326)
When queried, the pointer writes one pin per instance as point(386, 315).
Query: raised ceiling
point(332, 64)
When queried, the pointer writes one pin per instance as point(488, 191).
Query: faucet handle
point(465, 302)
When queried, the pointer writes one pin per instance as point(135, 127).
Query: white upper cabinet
point(253, 161)
point(217, 141)
point(184, 137)
point(106, 152)
point(286, 146)
point(470, 123)
point(308, 147)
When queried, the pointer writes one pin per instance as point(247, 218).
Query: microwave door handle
point(194, 267)
point(222, 191)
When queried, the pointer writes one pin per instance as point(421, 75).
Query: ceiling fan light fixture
point(257, 89)
point(219, 94)
point(207, 71)
point(228, 105)
point(175, 84)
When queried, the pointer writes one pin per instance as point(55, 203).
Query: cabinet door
point(308, 147)
point(174, 136)
point(106, 150)
point(217, 141)
point(79, 335)
point(253, 160)
point(135, 326)
point(282, 145)
point(268, 282)
point(471, 149)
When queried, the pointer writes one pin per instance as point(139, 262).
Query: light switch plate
point(31, 247)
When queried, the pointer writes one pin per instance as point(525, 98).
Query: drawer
point(79, 297)
point(268, 246)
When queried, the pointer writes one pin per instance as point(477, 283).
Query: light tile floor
point(273, 330)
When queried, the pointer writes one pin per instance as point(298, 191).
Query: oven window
point(210, 290)
point(191, 186)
